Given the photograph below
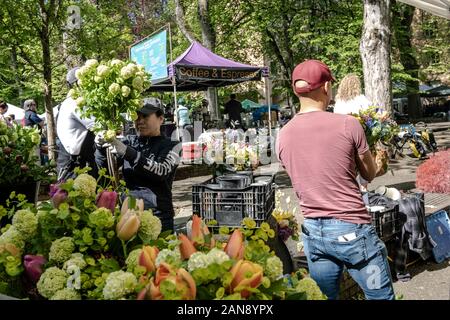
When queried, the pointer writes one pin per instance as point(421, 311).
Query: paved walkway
point(429, 280)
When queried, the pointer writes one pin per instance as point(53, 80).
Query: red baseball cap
point(314, 72)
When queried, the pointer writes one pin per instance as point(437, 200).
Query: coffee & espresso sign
point(202, 73)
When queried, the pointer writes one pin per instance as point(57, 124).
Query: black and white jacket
point(149, 162)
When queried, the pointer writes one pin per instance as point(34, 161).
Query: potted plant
point(20, 168)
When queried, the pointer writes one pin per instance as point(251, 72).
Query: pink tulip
point(33, 266)
point(186, 247)
point(128, 225)
point(147, 258)
point(235, 246)
point(59, 197)
point(245, 274)
point(200, 232)
point(139, 205)
point(107, 199)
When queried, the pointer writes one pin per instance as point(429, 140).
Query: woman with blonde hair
point(349, 98)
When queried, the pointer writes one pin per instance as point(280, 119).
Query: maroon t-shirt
point(318, 150)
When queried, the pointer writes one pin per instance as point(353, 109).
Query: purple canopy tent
point(198, 69)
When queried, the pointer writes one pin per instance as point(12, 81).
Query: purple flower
point(53, 189)
point(107, 199)
point(33, 266)
point(58, 195)
point(284, 233)
point(369, 123)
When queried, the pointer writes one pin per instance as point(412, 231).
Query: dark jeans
point(150, 203)
point(364, 255)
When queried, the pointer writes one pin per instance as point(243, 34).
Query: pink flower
point(33, 266)
point(107, 199)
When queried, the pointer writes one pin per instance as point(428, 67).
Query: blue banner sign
point(152, 54)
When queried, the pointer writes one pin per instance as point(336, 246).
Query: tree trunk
point(47, 65)
point(18, 76)
point(375, 49)
point(181, 22)
point(403, 32)
point(208, 34)
point(209, 41)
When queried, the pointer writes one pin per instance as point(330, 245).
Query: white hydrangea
point(217, 256)
point(76, 260)
point(150, 227)
point(102, 70)
point(85, 185)
point(273, 268)
point(91, 63)
point(198, 260)
point(172, 257)
point(118, 285)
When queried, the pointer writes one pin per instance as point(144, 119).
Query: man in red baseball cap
point(321, 152)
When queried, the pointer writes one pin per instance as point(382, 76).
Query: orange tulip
point(147, 258)
point(128, 225)
point(186, 247)
point(245, 274)
point(142, 295)
point(200, 232)
point(235, 246)
point(182, 280)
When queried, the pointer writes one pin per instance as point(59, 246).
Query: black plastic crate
point(230, 206)
point(387, 223)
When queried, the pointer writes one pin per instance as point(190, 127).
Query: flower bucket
point(29, 189)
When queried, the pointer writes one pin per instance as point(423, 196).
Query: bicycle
point(415, 140)
point(427, 136)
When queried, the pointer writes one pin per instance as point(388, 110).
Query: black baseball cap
point(151, 105)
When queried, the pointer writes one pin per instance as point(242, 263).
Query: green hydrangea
point(46, 219)
point(217, 256)
point(172, 257)
point(85, 185)
point(273, 268)
point(150, 227)
point(26, 223)
point(76, 259)
point(51, 281)
point(118, 285)
point(310, 288)
point(132, 261)
point(102, 218)
point(61, 250)
point(66, 294)
point(14, 237)
point(198, 260)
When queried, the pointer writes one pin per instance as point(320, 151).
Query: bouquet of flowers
point(379, 129)
point(19, 161)
point(230, 148)
point(82, 245)
point(378, 126)
point(286, 222)
point(109, 89)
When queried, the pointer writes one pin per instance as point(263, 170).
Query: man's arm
point(366, 165)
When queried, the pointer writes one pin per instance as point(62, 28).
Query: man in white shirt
point(75, 140)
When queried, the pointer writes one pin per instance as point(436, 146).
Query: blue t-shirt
point(183, 116)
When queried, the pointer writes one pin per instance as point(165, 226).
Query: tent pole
point(269, 90)
point(268, 95)
point(175, 115)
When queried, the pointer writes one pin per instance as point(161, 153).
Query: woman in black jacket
point(148, 161)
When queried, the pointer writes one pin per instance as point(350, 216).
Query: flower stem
point(124, 247)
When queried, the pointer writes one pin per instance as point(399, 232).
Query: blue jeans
point(364, 256)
